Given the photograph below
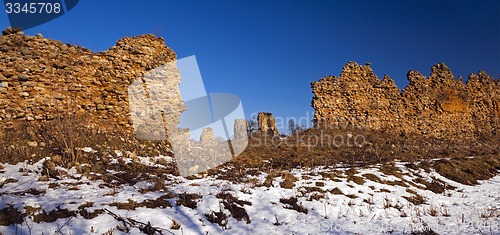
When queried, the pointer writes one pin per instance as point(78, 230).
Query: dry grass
point(312, 189)
point(130, 205)
point(189, 200)
point(175, 225)
point(52, 216)
point(436, 185)
point(264, 154)
point(10, 215)
point(372, 177)
point(337, 191)
point(356, 179)
point(469, 170)
point(291, 203)
point(217, 218)
point(390, 169)
point(416, 199)
point(89, 215)
point(288, 179)
point(66, 136)
point(235, 206)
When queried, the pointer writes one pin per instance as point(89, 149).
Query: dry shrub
point(217, 218)
point(175, 225)
point(312, 189)
point(89, 215)
point(188, 200)
point(384, 190)
point(225, 196)
point(316, 196)
point(235, 206)
point(157, 184)
point(157, 203)
point(291, 203)
point(288, 179)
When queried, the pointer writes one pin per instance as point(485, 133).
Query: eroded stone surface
point(267, 123)
point(43, 79)
point(438, 106)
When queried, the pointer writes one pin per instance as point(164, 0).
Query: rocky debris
point(56, 158)
point(11, 31)
point(43, 79)
point(267, 124)
point(32, 143)
point(438, 106)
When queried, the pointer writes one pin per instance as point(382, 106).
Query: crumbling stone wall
point(207, 137)
point(42, 79)
point(438, 106)
point(267, 123)
point(240, 128)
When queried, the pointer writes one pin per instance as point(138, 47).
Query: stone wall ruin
point(437, 106)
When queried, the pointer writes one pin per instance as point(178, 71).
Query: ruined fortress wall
point(436, 106)
point(267, 123)
point(42, 79)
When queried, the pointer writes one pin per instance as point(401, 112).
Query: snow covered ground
point(320, 201)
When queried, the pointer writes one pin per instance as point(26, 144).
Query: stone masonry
point(438, 106)
point(267, 124)
point(42, 79)
point(240, 128)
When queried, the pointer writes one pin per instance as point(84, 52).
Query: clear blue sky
point(268, 52)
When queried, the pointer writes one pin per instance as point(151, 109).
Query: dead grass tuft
point(356, 179)
point(416, 199)
point(217, 218)
point(52, 216)
point(11, 215)
point(391, 169)
point(235, 206)
point(288, 179)
point(89, 215)
point(336, 191)
point(291, 203)
point(372, 177)
point(188, 200)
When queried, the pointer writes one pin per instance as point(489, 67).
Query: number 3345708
point(33, 8)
